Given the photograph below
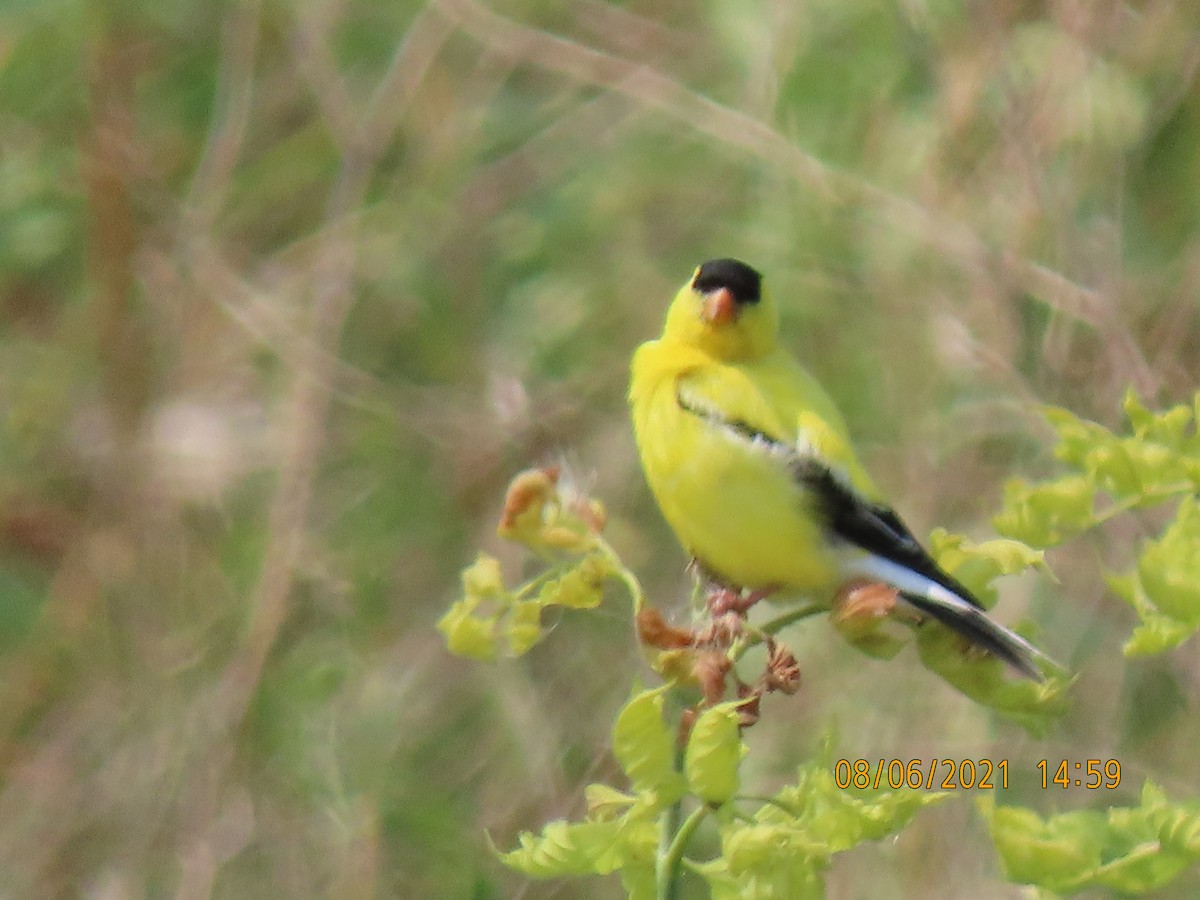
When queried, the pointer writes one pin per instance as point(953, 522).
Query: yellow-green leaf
point(1127, 849)
point(986, 680)
point(1046, 514)
point(1169, 568)
point(645, 746)
point(467, 634)
point(1156, 634)
point(977, 565)
point(579, 588)
point(483, 577)
point(567, 848)
point(523, 627)
point(604, 801)
point(1076, 437)
point(714, 754)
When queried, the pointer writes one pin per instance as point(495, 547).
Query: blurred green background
point(289, 291)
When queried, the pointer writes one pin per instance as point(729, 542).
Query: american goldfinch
point(753, 469)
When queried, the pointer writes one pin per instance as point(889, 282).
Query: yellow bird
point(752, 466)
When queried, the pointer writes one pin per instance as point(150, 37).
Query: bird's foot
point(707, 654)
point(721, 600)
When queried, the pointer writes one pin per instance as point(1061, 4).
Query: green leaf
point(491, 617)
point(985, 679)
point(714, 754)
point(471, 625)
point(638, 879)
point(763, 862)
point(581, 587)
point(1162, 589)
point(596, 847)
point(645, 746)
point(483, 578)
point(1127, 849)
point(1113, 467)
point(1159, 468)
point(1046, 514)
point(523, 626)
point(604, 801)
point(1179, 830)
point(1139, 468)
point(784, 848)
point(836, 819)
point(1165, 428)
point(567, 848)
point(1048, 854)
point(1156, 634)
point(1077, 437)
point(1169, 568)
point(977, 565)
point(467, 634)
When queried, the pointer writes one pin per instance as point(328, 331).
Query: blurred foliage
point(1107, 476)
point(1132, 850)
point(288, 291)
point(780, 850)
point(693, 757)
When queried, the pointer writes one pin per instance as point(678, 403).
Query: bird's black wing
point(872, 526)
point(846, 513)
point(877, 530)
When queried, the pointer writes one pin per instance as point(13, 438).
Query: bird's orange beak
point(719, 307)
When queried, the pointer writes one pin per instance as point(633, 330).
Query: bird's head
point(724, 310)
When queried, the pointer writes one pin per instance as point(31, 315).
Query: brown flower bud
point(591, 513)
point(783, 672)
point(711, 669)
point(654, 631)
point(859, 605)
point(686, 720)
point(528, 490)
point(749, 710)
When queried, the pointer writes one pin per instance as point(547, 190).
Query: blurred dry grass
point(287, 293)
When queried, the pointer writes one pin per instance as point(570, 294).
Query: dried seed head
point(710, 670)
point(749, 710)
point(783, 672)
point(860, 605)
point(527, 494)
point(654, 631)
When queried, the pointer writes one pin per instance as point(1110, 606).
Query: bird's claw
point(722, 600)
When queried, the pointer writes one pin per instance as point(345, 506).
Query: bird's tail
point(959, 614)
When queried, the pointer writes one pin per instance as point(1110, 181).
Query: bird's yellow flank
point(753, 468)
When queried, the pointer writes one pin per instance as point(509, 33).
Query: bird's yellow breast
point(731, 500)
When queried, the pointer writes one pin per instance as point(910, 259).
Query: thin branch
point(108, 169)
point(232, 105)
point(650, 87)
point(639, 82)
point(670, 854)
point(414, 56)
point(315, 62)
point(308, 402)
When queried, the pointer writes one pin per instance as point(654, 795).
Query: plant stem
point(757, 635)
point(673, 839)
point(1148, 498)
point(802, 612)
point(541, 578)
point(631, 583)
point(771, 801)
point(664, 877)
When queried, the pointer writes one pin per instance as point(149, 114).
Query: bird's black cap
point(742, 281)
